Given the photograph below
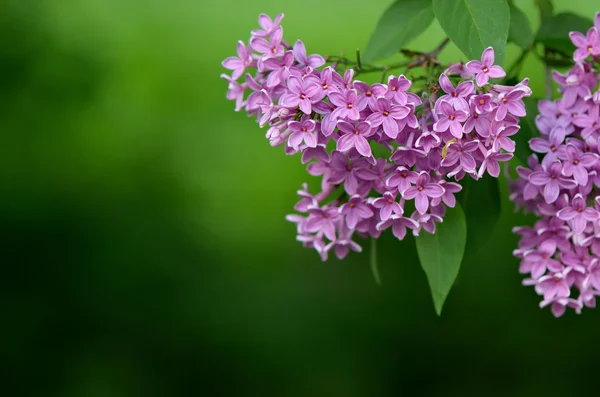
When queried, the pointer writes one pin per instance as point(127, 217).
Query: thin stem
point(418, 59)
point(374, 267)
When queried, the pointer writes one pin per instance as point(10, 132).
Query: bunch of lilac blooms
point(561, 252)
point(388, 157)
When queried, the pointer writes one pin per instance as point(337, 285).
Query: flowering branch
point(417, 59)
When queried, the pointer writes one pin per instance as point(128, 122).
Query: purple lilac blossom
point(376, 147)
point(561, 251)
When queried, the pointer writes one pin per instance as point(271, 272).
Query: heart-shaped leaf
point(398, 26)
point(474, 25)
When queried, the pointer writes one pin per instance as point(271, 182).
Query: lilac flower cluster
point(561, 252)
point(388, 158)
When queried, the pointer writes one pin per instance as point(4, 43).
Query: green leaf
point(401, 23)
point(528, 130)
point(520, 31)
point(554, 32)
point(480, 200)
point(546, 8)
point(441, 254)
point(474, 25)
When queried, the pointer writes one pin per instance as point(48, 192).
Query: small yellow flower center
point(302, 96)
point(352, 205)
point(485, 69)
point(368, 93)
point(452, 117)
point(420, 188)
point(349, 106)
point(575, 161)
point(481, 102)
point(393, 88)
point(553, 148)
point(386, 113)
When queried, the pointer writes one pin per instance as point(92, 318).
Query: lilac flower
point(538, 261)
point(553, 286)
point(399, 224)
point(577, 162)
point(302, 131)
point(354, 137)
point(586, 45)
point(460, 69)
point(322, 220)
point(369, 93)
point(483, 103)
point(574, 85)
point(402, 178)
point(478, 122)
point(491, 163)
point(397, 87)
point(512, 103)
point(302, 94)
point(387, 205)
point(343, 244)
point(428, 139)
point(240, 63)
point(590, 122)
point(579, 214)
point(502, 140)
point(460, 152)
point(552, 181)
point(314, 61)
point(485, 69)
point(347, 106)
point(551, 146)
point(423, 190)
point(451, 119)
point(269, 49)
point(235, 92)
point(350, 171)
point(354, 210)
point(268, 26)
point(279, 69)
point(456, 96)
point(448, 197)
point(389, 115)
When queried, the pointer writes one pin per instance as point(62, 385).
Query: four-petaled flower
point(451, 119)
point(354, 137)
point(354, 210)
point(388, 115)
point(387, 205)
point(423, 190)
point(485, 69)
point(552, 180)
point(579, 214)
point(577, 162)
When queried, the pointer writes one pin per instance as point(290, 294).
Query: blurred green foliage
point(145, 251)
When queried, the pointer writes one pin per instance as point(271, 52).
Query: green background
point(145, 250)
